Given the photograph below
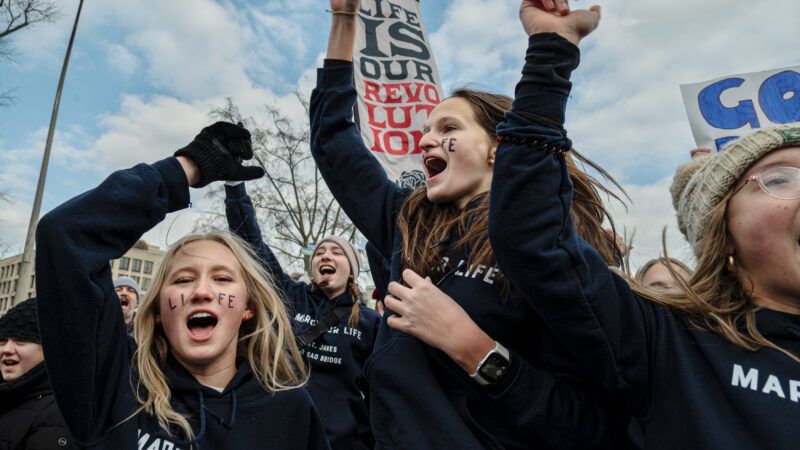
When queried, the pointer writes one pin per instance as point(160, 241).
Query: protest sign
point(398, 85)
point(727, 108)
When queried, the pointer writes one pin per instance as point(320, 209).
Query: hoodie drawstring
point(234, 402)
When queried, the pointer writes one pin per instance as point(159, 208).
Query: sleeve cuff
point(177, 186)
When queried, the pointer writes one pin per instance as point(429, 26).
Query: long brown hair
point(424, 225)
point(715, 297)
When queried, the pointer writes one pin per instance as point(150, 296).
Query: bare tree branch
point(18, 14)
point(293, 205)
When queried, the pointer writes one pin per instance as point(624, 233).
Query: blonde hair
point(266, 340)
point(715, 297)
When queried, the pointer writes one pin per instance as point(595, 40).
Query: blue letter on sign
point(779, 97)
point(720, 116)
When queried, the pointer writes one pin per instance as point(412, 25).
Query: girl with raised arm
point(458, 337)
point(714, 365)
point(214, 363)
point(336, 331)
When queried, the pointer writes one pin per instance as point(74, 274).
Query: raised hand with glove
point(216, 154)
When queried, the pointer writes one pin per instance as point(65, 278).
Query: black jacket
point(688, 388)
point(29, 416)
point(336, 357)
point(419, 397)
point(90, 355)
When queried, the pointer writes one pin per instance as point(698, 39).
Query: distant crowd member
point(655, 274)
point(29, 416)
point(128, 292)
point(214, 364)
point(336, 331)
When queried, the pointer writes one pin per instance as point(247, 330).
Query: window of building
point(145, 283)
point(124, 262)
point(135, 278)
point(148, 267)
point(33, 282)
point(137, 265)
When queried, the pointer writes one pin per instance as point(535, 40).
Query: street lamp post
point(26, 266)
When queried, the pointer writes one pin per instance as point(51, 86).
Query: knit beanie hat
point(701, 184)
point(20, 322)
point(353, 256)
point(130, 282)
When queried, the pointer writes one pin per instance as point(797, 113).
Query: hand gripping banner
point(398, 85)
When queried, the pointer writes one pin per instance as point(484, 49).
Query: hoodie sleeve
point(593, 311)
point(354, 176)
point(83, 334)
point(242, 221)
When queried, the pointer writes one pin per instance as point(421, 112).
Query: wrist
point(470, 350)
point(190, 169)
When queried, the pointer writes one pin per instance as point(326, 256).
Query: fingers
point(249, 173)
point(411, 277)
point(395, 304)
point(398, 290)
point(701, 151)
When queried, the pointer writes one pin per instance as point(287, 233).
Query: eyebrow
point(426, 127)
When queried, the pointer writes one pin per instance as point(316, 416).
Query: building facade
point(140, 263)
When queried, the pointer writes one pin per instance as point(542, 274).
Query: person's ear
point(492, 152)
point(249, 313)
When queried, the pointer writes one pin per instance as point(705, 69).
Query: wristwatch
point(492, 366)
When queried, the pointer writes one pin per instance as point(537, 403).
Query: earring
point(491, 161)
point(731, 264)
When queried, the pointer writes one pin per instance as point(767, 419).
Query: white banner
point(398, 85)
point(727, 108)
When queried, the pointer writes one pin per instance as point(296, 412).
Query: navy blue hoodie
point(89, 354)
point(419, 397)
point(337, 356)
point(688, 388)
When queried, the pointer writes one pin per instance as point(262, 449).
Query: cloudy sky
point(144, 75)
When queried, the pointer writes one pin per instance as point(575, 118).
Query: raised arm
point(354, 176)
point(83, 335)
point(592, 311)
point(242, 221)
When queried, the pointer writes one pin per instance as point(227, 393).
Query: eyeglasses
point(781, 182)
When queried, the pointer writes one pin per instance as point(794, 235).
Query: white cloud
point(122, 59)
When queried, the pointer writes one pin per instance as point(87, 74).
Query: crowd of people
point(506, 320)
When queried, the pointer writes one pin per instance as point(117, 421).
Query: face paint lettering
point(220, 298)
point(451, 144)
point(448, 143)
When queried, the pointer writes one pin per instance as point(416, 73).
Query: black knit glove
point(218, 152)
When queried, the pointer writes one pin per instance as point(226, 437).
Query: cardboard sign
point(398, 85)
point(727, 108)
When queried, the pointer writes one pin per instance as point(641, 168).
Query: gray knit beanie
point(699, 185)
point(131, 283)
point(353, 256)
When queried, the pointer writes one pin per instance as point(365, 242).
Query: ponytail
point(356, 309)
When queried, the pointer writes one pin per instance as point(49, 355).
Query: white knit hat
point(350, 251)
point(699, 185)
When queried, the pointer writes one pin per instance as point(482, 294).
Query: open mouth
point(10, 363)
point(327, 270)
point(201, 324)
point(124, 302)
point(434, 165)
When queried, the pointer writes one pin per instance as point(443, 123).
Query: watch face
point(494, 367)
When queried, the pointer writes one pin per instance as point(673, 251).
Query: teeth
point(200, 315)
